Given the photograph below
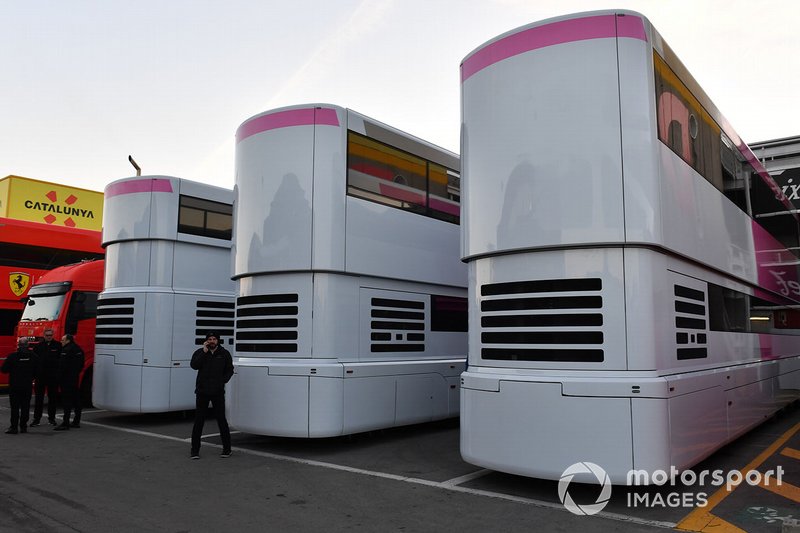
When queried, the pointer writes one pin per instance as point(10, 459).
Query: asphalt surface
point(122, 472)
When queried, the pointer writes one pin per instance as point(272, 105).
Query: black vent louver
point(114, 321)
point(213, 316)
point(556, 320)
point(267, 323)
point(690, 323)
point(397, 325)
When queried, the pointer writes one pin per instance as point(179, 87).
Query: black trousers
point(20, 407)
point(71, 400)
point(218, 407)
point(52, 399)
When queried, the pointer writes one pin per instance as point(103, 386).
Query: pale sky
point(85, 83)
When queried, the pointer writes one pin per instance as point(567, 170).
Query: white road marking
point(217, 434)
point(468, 477)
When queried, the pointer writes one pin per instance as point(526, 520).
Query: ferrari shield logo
point(19, 281)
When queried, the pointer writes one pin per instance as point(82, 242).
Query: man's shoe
point(225, 454)
point(11, 431)
point(34, 423)
point(75, 425)
point(62, 427)
point(23, 429)
point(194, 455)
point(51, 421)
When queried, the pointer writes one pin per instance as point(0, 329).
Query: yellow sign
point(19, 282)
point(50, 203)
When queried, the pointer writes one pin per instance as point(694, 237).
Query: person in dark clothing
point(70, 366)
point(214, 366)
point(21, 367)
point(48, 353)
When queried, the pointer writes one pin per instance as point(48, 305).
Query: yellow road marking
point(791, 452)
point(702, 519)
point(714, 523)
point(787, 490)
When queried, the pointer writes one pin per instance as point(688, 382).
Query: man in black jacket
point(21, 368)
point(70, 366)
point(47, 352)
point(214, 366)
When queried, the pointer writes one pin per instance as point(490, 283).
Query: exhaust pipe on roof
point(138, 169)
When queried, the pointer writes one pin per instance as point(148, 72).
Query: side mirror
point(71, 327)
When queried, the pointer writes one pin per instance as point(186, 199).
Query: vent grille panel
point(402, 333)
point(114, 321)
point(690, 323)
point(213, 316)
point(553, 320)
point(264, 323)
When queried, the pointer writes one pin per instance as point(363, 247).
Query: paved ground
point(132, 473)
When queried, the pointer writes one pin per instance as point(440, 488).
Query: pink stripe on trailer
point(134, 186)
point(309, 116)
point(564, 31)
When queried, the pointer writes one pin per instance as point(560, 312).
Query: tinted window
point(448, 313)
point(381, 173)
point(731, 310)
point(771, 213)
point(445, 193)
point(685, 126)
point(206, 218)
point(689, 131)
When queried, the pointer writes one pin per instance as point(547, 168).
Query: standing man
point(214, 366)
point(70, 366)
point(48, 353)
point(21, 368)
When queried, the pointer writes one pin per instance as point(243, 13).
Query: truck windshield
point(43, 307)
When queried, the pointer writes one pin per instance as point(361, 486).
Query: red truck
point(65, 299)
